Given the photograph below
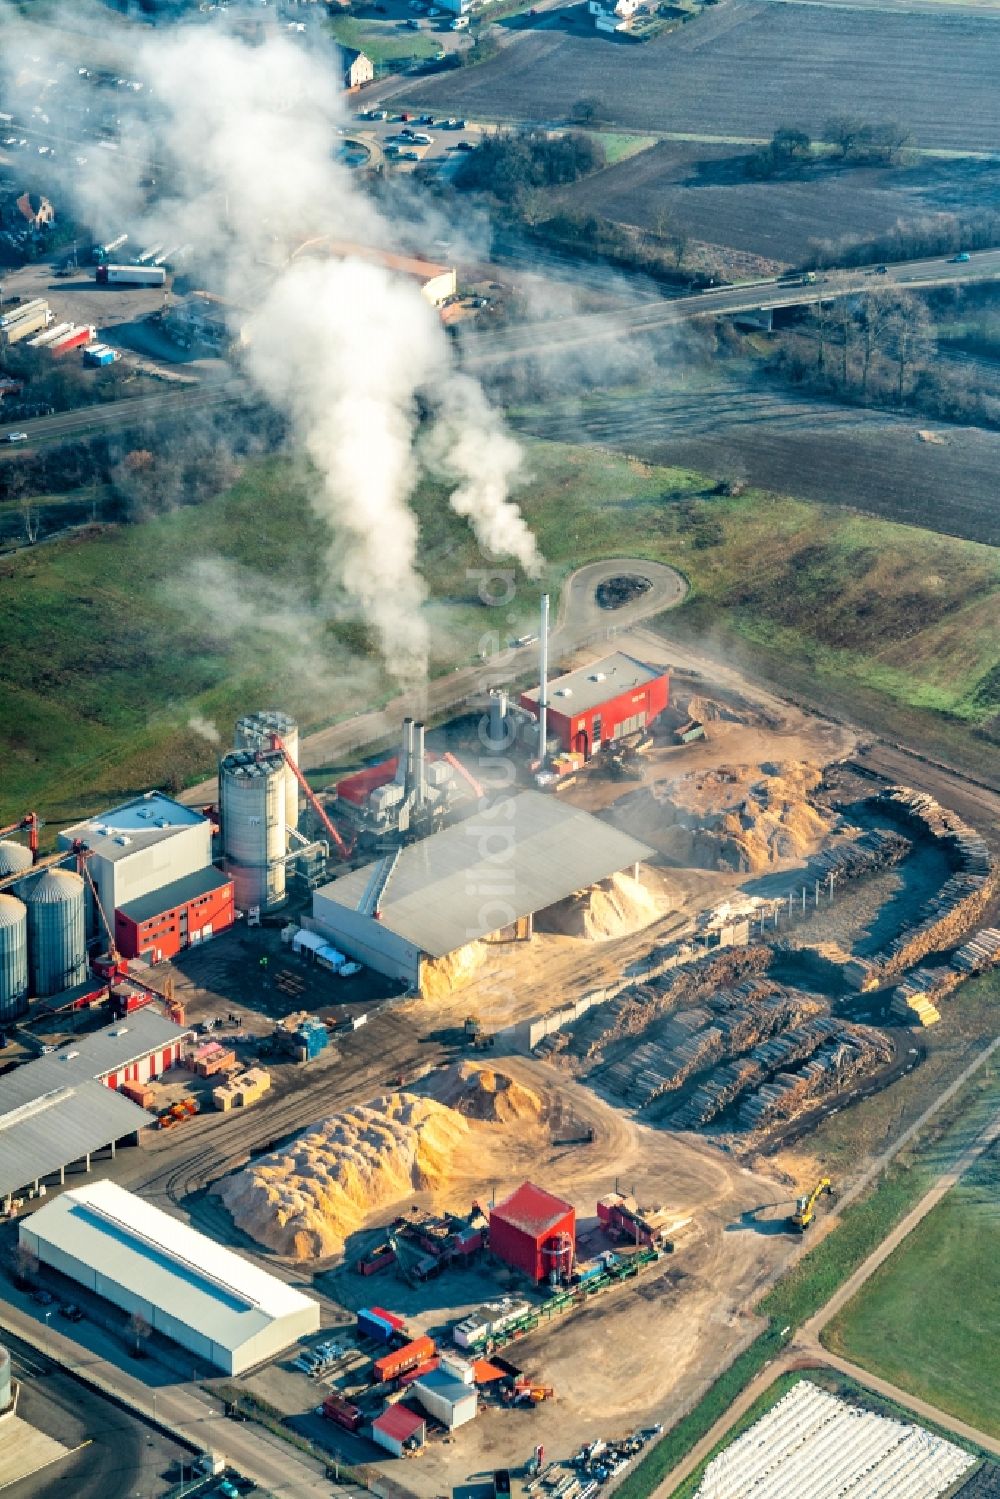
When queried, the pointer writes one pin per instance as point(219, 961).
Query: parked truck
point(75, 338)
point(24, 327)
point(336, 1408)
point(130, 275)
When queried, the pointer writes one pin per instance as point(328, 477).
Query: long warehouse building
point(208, 1299)
point(482, 879)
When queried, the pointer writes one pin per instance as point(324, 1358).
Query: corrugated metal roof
point(51, 1129)
point(525, 853)
point(578, 692)
point(399, 1422)
point(93, 1056)
point(177, 893)
point(208, 1288)
point(531, 1209)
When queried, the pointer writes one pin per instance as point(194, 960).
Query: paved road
point(805, 1346)
point(555, 335)
point(113, 1454)
point(578, 620)
point(88, 421)
point(184, 1410)
point(483, 352)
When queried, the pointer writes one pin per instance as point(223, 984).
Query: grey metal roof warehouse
point(203, 1296)
point(523, 854)
point(95, 1055)
point(65, 1124)
point(54, 1111)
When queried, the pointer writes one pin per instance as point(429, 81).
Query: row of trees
point(882, 351)
point(910, 239)
point(854, 140)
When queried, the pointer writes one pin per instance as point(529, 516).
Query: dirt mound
point(305, 1199)
point(477, 1092)
point(710, 710)
point(440, 976)
point(744, 818)
point(613, 908)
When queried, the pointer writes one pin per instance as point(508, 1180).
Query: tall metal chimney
point(404, 770)
point(543, 681)
point(419, 765)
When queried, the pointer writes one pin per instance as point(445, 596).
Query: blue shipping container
point(372, 1326)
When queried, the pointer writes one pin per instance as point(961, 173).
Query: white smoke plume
point(205, 727)
point(240, 138)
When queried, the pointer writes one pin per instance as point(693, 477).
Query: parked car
point(961, 257)
point(71, 1312)
point(881, 270)
point(16, 437)
point(43, 1297)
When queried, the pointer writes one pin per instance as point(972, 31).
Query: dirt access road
point(579, 620)
point(806, 1345)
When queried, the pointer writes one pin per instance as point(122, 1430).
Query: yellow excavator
point(805, 1207)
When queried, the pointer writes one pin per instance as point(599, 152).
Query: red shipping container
point(390, 1365)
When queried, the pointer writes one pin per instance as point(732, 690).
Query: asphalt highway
point(485, 351)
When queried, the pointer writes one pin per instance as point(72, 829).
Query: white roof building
point(211, 1301)
point(140, 846)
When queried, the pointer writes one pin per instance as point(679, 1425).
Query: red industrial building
point(534, 1232)
point(609, 700)
point(159, 925)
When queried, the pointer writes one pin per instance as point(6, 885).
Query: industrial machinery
point(805, 1207)
point(475, 1036)
point(407, 796)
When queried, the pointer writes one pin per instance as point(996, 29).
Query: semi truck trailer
point(130, 275)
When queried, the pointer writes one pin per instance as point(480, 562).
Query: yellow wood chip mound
point(305, 1199)
point(479, 1092)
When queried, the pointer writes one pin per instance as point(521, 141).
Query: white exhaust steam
point(240, 138)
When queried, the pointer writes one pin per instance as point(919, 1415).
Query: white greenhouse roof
point(527, 852)
point(157, 1258)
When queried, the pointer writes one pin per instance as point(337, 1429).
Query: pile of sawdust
point(477, 1092)
point(440, 976)
point(744, 818)
point(613, 908)
point(305, 1199)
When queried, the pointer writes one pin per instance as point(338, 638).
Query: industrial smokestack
point(404, 770)
point(498, 717)
point(543, 680)
point(419, 765)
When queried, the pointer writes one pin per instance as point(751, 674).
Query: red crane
point(344, 849)
point(29, 824)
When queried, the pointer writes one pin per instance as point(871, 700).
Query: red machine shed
point(188, 910)
point(534, 1232)
point(597, 704)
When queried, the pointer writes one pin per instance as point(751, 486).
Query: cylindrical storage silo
point(252, 805)
point(14, 858)
point(13, 958)
point(254, 732)
point(57, 932)
point(6, 1393)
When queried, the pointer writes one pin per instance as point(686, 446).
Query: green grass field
point(380, 41)
point(114, 637)
point(928, 1318)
